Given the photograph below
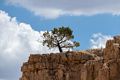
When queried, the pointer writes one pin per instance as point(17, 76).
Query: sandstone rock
point(112, 51)
point(103, 74)
point(94, 64)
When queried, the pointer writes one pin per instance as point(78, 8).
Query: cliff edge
point(95, 64)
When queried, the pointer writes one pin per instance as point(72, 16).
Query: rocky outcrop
point(96, 64)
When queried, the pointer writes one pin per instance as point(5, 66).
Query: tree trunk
point(59, 47)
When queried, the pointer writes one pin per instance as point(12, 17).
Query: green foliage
point(59, 37)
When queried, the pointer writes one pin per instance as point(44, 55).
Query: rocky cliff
point(96, 64)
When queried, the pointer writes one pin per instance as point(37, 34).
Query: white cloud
point(17, 41)
point(56, 8)
point(98, 40)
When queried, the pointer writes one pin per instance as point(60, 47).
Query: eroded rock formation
point(97, 64)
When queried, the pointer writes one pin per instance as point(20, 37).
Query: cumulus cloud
point(56, 8)
point(98, 40)
point(17, 41)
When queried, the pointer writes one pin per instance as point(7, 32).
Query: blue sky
point(92, 23)
point(83, 26)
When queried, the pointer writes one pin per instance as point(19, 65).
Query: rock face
point(97, 64)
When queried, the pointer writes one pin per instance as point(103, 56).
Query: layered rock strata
point(96, 64)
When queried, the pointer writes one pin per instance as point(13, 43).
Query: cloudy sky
point(22, 23)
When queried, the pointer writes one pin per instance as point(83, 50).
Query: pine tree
point(59, 37)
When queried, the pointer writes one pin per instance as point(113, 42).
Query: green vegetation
point(60, 37)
